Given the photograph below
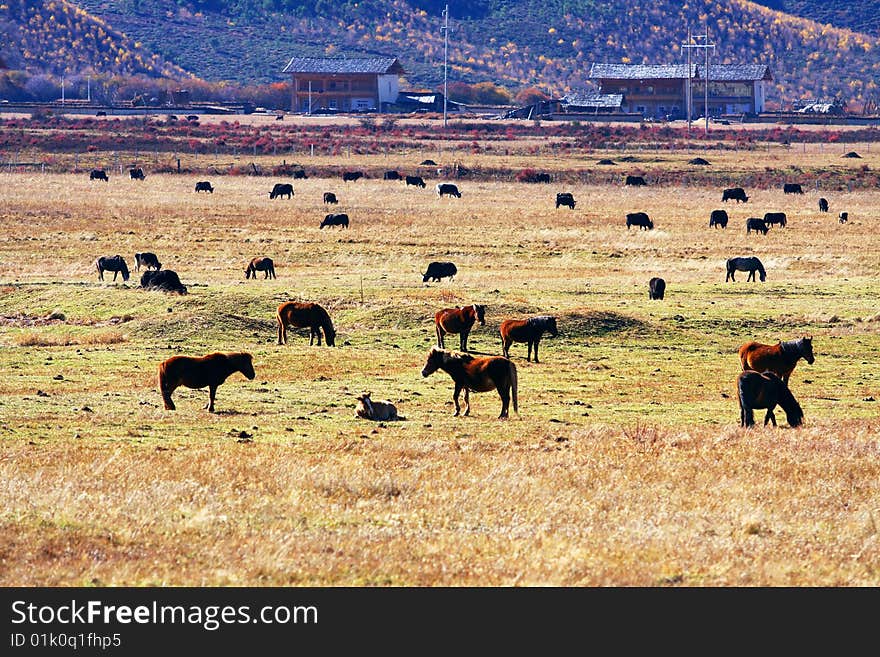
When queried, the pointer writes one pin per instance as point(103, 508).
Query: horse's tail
point(513, 384)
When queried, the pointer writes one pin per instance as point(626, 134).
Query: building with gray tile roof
point(343, 84)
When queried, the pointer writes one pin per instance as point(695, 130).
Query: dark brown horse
point(477, 374)
point(458, 320)
point(302, 314)
point(116, 264)
point(526, 330)
point(198, 372)
point(260, 264)
point(779, 358)
point(766, 390)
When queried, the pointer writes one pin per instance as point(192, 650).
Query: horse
point(264, 265)
point(302, 314)
point(779, 358)
point(526, 330)
point(749, 264)
point(146, 259)
point(458, 320)
point(475, 374)
point(197, 372)
point(766, 390)
point(380, 411)
point(116, 264)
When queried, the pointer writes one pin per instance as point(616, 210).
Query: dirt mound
point(851, 154)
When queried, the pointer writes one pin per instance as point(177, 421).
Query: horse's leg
point(212, 392)
point(455, 395)
point(504, 393)
point(529, 350)
point(467, 401)
point(770, 417)
point(166, 391)
point(439, 335)
point(282, 333)
point(537, 340)
point(462, 338)
point(317, 334)
point(748, 416)
point(505, 347)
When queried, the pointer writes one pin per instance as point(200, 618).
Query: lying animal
point(379, 411)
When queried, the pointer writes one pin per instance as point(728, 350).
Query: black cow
point(165, 280)
point(352, 175)
point(281, 189)
point(656, 288)
point(98, 174)
point(639, 219)
point(391, 175)
point(136, 174)
point(204, 186)
point(428, 163)
point(438, 270)
point(330, 197)
point(757, 225)
point(636, 181)
point(448, 189)
point(542, 177)
point(823, 205)
point(734, 193)
point(416, 181)
point(148, 260)
point(718, 218)
point(771, 218)
point(565, 198)
point(792, 188)
point(100, 113)
point(843, 217)
point(299, 174)
point(333, 219)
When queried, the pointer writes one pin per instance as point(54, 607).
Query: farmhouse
point(660, 90)
point(343, 84)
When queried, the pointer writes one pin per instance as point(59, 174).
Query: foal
point(766, 390)
point(197, 372)
point(526, 330)
point(477, 374)
point(458, 320)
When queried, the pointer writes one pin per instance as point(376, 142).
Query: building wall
point(664, 97)
point(343, 92)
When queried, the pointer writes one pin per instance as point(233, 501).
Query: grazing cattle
point(136, 174)
point(756, 224)
point(148, 260)
point(428, 163)
point(280, 117)
point(100, 113)
point(299, 174)
point(448, 189)
point(98, 174)
point(281, 189)
point(542, 177)
point(636, 181)
point(699, 161)
point(843, 217)
point(823, 205)
point(718, 218)
point(333, 219)
point(458, 320)
point(116, 264)
point(391, 175)
point(766, 390)
point(415, 181)
point(779, 358)
point(352, 175)
point(438, 270)
point(526, 330)
point(204, 186)
point(165, 280)
point(771, 218)
point(475, 374)
point(639, 219)
point(734, 194)
point(330, 197)
point(262, 264)
point(656, 288)
point(302, 315)
point(379, 411)
point(192, 117)
point(565, 198)
point(792, 188)
point(196, 372)
point(749, 264)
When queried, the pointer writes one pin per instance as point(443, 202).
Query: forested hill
point(859, 17)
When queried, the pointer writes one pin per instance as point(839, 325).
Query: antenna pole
point(445, 30)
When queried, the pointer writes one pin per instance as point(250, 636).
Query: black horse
point(766, 390)
point(116, 264)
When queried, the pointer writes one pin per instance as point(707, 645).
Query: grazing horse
point(458, 320)
point(750, 264)
point(779, 358)
point(823, 205)
point(656, 288)
point(302, 314)
point(475, 374)
point(526, 330)
point(116, 264)
point(146, 259)
point(260, 264)
point(197, 372)
point(766, 390)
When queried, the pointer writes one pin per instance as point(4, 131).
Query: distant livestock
point(116, 264)
point(565, 198)
point(773, 218)
point(204, 186)
point(281, 189)
point(766, 390)
point(756, 224)
point(379, 411)
point(823, 205)
point(458, 320)
point(98, 174)
point(165, 280)
point(734, 194)
point(352, 176)
point(843, 217)
point(635, 181)
point(656, 288)
point(299, 174)
point(263, 264)
point(415, 181)
point(428, 163)
point(448, 189)
point(639, 219)
point(438, 270)
point(196, 372)
point(305, 315)
point(792, 188)
point(391, 175)
point(147, 260)
point(335, 219)
point(475, 374)
point(529, 331)
point(750, 264)
point(136, 174)
point(718, 218)
point(330, 197)
point(542, 178)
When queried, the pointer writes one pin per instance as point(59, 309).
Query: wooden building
point(343, 84)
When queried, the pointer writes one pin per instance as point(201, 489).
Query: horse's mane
point(451, 355)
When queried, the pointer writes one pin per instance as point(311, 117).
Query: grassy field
point(626, 465)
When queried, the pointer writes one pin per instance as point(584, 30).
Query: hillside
point(865, 17)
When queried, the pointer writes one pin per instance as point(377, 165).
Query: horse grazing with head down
point(749, 264)
point(766, 390)
point(116, 264)
point(458, 320)
point(526, 330)
point(199, 372)
point(305, 314)
point(779, 358)
point(264, 265)
point(475, 374)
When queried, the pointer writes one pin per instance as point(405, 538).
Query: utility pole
point(705, 46)
point(445, 30)
point(687, 89)
point(310, 97)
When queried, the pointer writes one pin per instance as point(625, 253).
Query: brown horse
point(295, 313)
point(458, 320)
point(766, 390)
point(197, 372)
point(526, 330)
point(260, 264)
point(477, 374)
point(779, 358)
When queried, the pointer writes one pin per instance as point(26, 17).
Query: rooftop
point(367, 65)
point(729, 72)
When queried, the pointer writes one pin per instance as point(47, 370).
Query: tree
point(530, 96)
